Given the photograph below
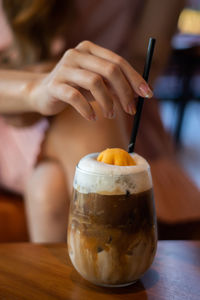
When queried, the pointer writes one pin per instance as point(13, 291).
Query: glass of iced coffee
point(112, 232)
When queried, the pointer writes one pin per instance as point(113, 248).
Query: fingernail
point(93, 117)
point(110, 114)
point(145, 90)
point(131, 109)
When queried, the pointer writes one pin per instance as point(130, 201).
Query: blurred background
point(177, 90)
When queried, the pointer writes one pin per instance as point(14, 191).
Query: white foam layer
point(93, 176)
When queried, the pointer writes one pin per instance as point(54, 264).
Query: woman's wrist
point(15, 92)
point(33, 94)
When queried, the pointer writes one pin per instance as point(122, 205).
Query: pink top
point(106, 22)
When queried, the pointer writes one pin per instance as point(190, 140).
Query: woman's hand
point(85, 72)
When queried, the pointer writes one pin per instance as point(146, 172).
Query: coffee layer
point(112, 239)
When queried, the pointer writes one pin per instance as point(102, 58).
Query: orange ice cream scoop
point(116, 156)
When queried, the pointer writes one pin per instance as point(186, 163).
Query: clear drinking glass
point(112, 234)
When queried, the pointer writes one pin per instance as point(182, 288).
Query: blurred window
point(189, 20)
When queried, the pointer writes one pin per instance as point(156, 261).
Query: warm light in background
point(189, 21)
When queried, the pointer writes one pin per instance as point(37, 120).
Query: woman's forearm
point(15, 87)
point(85, 72)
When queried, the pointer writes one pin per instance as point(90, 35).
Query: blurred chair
point(181, 80)
point(13, 227)
point(177, 201)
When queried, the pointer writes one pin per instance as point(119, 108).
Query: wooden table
point(33, 271)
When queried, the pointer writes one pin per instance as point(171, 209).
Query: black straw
point(137, 117)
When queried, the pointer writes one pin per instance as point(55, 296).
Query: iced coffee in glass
point(112, 233)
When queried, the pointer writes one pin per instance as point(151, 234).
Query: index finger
point(136, 81)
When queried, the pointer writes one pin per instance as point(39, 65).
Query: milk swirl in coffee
point(112, 226)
